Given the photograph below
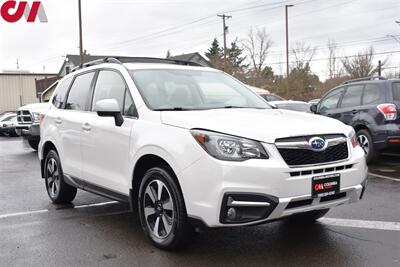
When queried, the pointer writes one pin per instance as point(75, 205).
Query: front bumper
point(208, 181)
point(29, 130)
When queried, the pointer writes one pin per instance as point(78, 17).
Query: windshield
point(166, 89)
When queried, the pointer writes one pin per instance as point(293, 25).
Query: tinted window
point(331, 100)
point(352, 96)
point(60, 93)
point(396, 92)
point(79, 94)
point(372, 94)
point(109, 85)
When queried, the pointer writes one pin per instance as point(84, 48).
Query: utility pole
point(379, 68)
point(287, 48)
point(80, 32)
point(17, 64)
point(224, 17)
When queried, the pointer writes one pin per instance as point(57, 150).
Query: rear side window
point(330, 101)
point(396, 93)
point(372, 95)
point(352, 96)
point(79, 94)
point(61, 92)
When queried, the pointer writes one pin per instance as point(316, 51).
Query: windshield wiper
point(172, 109)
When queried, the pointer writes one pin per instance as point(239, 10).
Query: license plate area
point(325, 185)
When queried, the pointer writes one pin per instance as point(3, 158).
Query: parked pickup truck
point(29, 124)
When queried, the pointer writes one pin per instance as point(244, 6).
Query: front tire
point(59, 192)
point(162, 210)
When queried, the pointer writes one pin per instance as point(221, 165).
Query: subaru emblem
point(317, 144)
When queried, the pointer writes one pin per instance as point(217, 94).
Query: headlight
point(353, 139)
point(230, 148)
point(36, 116)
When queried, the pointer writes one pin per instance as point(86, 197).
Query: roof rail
point(372, 78)
point(120, 60)
point(97, 62)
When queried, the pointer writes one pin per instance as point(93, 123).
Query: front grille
point(24, 117)
point(296, 151)
point(295, 157)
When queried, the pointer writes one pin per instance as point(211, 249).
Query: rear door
point(328, 106)
point(351, 103)
point(70, 123)
point(373, 95)
point(105, 146)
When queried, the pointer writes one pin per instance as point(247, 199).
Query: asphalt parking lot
point(95, 231)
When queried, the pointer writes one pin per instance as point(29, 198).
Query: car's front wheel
point(162, 210)
point(57, 189)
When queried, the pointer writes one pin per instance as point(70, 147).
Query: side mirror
point(313, 108)
point(109, 108)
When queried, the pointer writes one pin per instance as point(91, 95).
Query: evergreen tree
point(235, 55)
point(215, 51)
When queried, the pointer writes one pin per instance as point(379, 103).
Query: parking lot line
point(95, 204)
point(22, 213)
point(383, 177)
point(376, 225)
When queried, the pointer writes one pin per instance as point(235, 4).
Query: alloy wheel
point(53, 178)
point(158, 209)
point(364, 143)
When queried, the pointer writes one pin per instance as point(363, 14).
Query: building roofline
point(27, 74)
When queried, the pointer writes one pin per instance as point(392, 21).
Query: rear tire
point(365, 141)
point(308, 217)
point(162, 210)
point(34, 144)
point(58, 190)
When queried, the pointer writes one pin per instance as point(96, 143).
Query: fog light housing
point(244, 207)
point(231, 214)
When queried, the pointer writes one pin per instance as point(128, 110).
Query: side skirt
point(95, 189)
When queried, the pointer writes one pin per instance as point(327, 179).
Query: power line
point(341, 57)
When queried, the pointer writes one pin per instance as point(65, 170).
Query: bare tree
point(334, 68)
point(361, 65)
point(303, 54)
point(257, 46)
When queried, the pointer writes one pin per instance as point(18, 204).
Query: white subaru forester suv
point(190, 147)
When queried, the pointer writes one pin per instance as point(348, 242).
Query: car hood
point(36, 107)
point(264, 125)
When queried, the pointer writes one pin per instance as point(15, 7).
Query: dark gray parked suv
point(371, 106)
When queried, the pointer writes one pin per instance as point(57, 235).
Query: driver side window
point(330, 101)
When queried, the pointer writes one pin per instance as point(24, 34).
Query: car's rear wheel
point(58, 191)
point(34, 144)
point(307, 217)
point(162, 210)
point(365, 141)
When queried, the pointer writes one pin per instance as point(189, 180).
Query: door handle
point(58, 121)
point(86, 127)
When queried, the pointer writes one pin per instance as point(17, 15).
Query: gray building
point(19, 88)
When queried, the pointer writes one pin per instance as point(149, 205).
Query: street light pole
point(80, 33)
point(287, 48)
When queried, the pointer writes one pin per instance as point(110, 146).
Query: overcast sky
point(150, 28)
